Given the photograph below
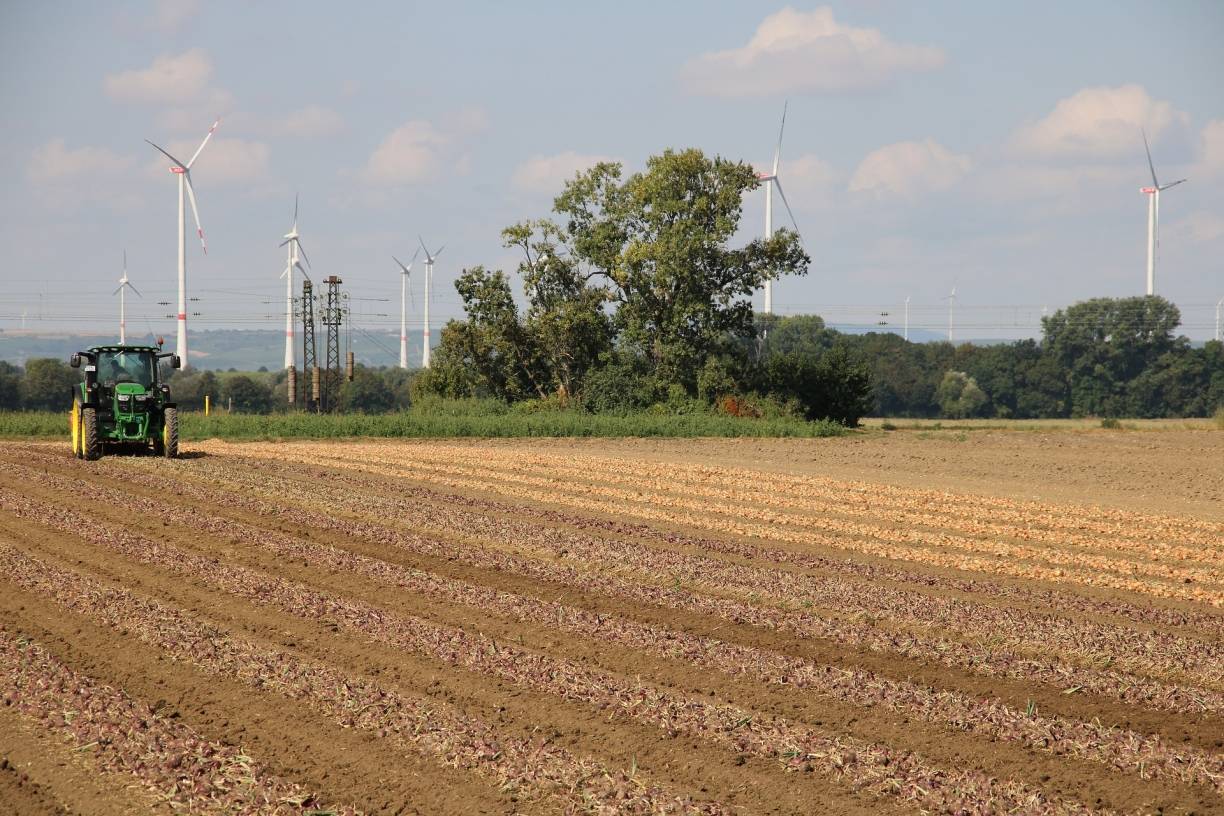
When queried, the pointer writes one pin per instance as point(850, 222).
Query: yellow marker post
point(205, 405)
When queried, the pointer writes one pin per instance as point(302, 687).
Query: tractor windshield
point(126, 367)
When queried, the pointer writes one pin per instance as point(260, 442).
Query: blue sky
point(987, 146)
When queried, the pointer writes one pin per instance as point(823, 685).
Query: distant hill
point(241, 349)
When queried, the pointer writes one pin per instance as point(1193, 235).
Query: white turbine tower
point(405, 271)
point(771, 181)
point(429, 265)
point(951, 301)
point(293, 241)
point(1153, 194)
point(183, 171)
point(124, 283)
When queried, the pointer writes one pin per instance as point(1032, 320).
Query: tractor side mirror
point(75, 360)
point(175, 362)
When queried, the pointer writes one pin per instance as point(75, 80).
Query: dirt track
point(842, 626)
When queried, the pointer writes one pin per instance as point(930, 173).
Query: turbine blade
point(1148, 150)
point(413, 258)
point(401, 264)
point(301, 269)
point(778, 184)
point(1173, 184)
point(200, 149)
point(778, 149)
point(125, 264)
point(439, 252)
point(194, 210)
point(298, 243)
point(295, 208)
point(134, 289)
point(167, 155)
point(422, 240)
point(287, 240)
point(117, 291)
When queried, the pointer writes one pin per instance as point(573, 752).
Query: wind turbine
point(1153, 194)
point(951, 300)
point(183, 171)
point(124, 283)
point(293, 241)
point(406, 271)
point(771, 180)
point(429, 265)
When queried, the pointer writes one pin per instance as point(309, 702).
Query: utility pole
point(1219, 304)
point(310, 362)
point(907, 318)
point(333, 316)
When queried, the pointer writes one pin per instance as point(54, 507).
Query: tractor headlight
point(124, 398)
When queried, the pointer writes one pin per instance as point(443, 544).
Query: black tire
point(170, 433)
point(90, 448)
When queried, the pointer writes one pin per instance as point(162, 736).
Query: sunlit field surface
point(892, 622)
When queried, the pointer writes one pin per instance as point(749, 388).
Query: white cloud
point(548, 174)
point(54, 162)
point(908, 169)
point(420, 150)
point(796, 52)
point(1098, 123)
point(312, 120)
point(1211, 161)
point(223, 160)
point(808, 172)
point(168, 79)
point(170, 15)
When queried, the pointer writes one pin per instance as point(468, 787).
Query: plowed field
point(570, 627)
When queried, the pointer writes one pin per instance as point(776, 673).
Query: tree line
point(632, 298)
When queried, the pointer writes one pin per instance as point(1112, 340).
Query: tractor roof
point(153, 349)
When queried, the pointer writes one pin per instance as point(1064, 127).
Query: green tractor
point(122, 402)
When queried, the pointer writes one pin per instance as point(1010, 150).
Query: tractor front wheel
point(90, 448)
point(170, 433)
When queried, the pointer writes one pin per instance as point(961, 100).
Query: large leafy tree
point(569, 328)
point(659, 242)
point(1104, 344)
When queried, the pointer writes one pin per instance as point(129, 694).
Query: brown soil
point(1169, 473)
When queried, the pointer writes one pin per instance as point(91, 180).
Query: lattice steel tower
point(309, 356)
point(333, 317)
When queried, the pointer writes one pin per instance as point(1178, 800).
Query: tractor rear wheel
point(90, 448)
point(170, 433)
point(74, 428)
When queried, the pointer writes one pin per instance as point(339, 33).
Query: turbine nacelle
point(1148, 190)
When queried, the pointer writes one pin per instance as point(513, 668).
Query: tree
point(246, 395)
point(658, 242)
point(565, 319)
point(48, 384)
point(1106, 343)
point(960, 396)
point(829, 386)
point(10, 386)
point(367, 393)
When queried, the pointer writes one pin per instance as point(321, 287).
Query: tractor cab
point(122, 401)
